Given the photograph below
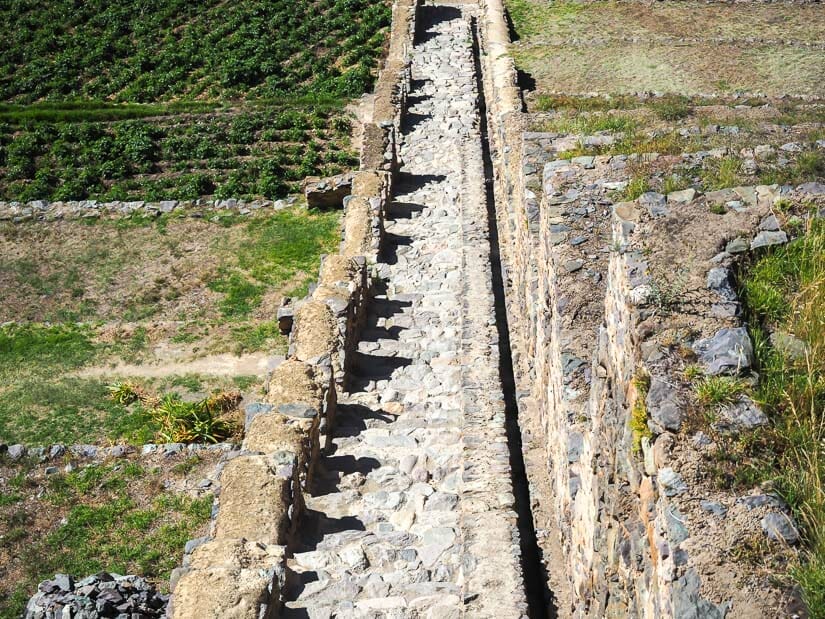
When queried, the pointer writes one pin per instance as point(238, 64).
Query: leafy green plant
point(210, 420)
point(124, 393)
point(206, 421)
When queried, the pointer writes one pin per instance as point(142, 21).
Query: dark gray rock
point(675, 523)
point(729, 351)
point(571, 266)
point(101, 595)
point(769, 223)
point(814, 189)
point(719, 280)
point(688, 602)
point(755, 501)
point(301, 411)
point(253, 409)
point(744, 414)
point(779, 527)
point(16, 452)
point(713, 507)
point(671, 482)
point(767, 238)
point(664, 410)
point(655, 203)
point(737, 246)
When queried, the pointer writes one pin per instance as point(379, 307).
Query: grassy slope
point(246, 263)
point(785, 293)
point(112, 517)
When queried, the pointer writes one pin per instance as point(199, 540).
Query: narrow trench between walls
point(540, 598)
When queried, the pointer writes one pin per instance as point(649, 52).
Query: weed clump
point(638, 413)
point(210, 420)
point(716, 391)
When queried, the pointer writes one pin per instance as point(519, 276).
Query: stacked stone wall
point(239, 570)
point(617, 486)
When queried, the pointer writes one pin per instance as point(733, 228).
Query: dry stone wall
point(628, 519)
point(239, 570)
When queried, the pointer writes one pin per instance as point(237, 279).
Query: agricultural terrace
point(155, 328)
point(185, 99)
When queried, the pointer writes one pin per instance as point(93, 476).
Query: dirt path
point(225, 364)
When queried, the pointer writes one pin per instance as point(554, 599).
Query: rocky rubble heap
point(100, 595)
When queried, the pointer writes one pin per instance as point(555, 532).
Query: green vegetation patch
point(102, 517)
point(209, 288)
point(40, 404)
point(275, 250)
point(131, 51)
point(785, 296)
point(249, 153)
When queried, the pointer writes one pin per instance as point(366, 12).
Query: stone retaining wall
point(239, 571)
point(40, 210)
point(626, 516)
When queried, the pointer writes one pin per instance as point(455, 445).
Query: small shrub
point(673, 109)
point(692, 372)
point(718, 209)
point(667, 290)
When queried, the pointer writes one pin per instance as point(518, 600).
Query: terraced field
point(690, 48)
point(180, 101)
point(119, 329)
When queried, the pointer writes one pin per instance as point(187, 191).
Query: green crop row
point(138, 52)
point(253, 153)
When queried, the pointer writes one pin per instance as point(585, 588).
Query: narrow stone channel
point(416, 512)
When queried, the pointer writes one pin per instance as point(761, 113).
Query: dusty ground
point(686, 47)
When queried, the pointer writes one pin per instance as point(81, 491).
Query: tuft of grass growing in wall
point(638, 414)
point(672, 108)
point(692, 372)
point(716, 391)
point(722, 174)
point(635, 188)
point(675, 182)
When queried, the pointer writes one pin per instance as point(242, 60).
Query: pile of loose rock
point(101, 595)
